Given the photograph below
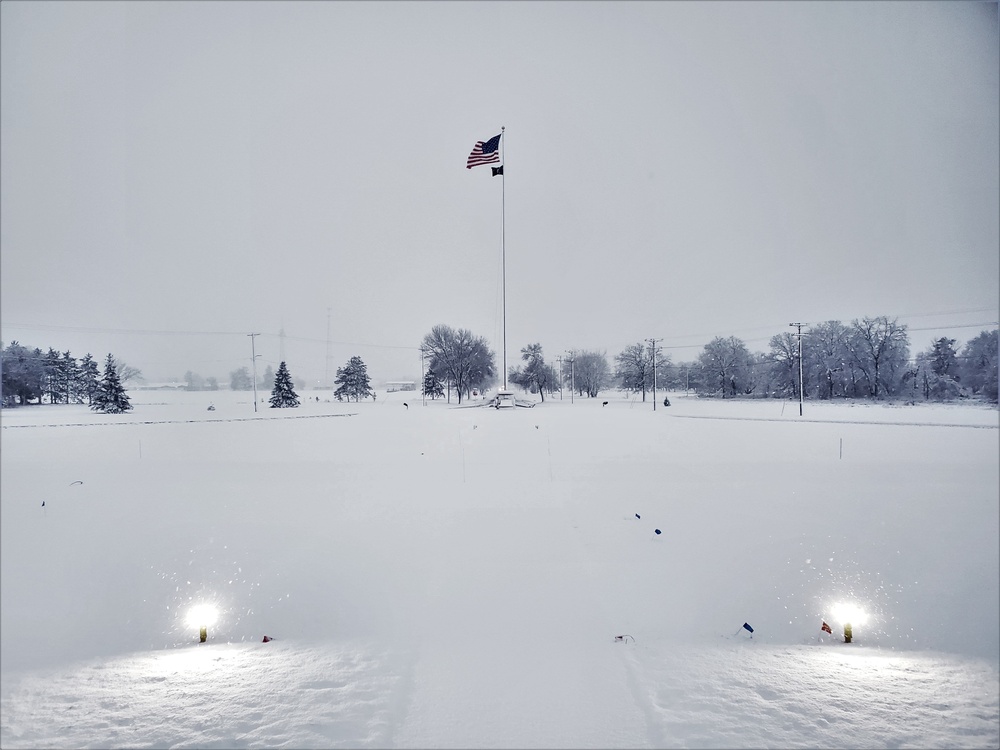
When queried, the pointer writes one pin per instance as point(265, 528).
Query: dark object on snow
point(637, 515)
point(666, 401)
point(406, 405)
point(657, 531)
point(605, 403)
point(43, 503)
point(78, 481)
point(211, 407)
point(624, 638)
point(267, 639)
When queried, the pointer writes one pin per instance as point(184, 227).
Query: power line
point(150, 332)
point(307, 340)
point(284, 337)
point(140, 331)
point(170, 332)
point(946, 312)
point(948, 328)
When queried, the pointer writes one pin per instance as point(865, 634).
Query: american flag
point(484, 153)
point(826, 628)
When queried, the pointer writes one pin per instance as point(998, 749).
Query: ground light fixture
point(201, 616)
point(849, 614)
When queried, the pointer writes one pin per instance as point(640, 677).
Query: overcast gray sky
point(176, 175)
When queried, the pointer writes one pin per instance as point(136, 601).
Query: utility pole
point(423, 392)
point(799, 336)
point(253, 351)
point(652, 345)
point(572, 375)
point(559, 360)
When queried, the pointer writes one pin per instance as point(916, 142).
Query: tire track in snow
point(175, 421)
point(838, 421)
point(654, 730)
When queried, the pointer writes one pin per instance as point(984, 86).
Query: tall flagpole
point(503, 256)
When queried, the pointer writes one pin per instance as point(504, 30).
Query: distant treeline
point(868, 358)
point(31, 375)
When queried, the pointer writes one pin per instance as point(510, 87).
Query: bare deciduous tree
point(592, 372)
point(536, 375)
point(726, 361)
point(880, 348)
point(460, 358)
point(826, 359)
point(127, 373)
point(784, 356)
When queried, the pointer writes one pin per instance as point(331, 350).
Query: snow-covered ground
point(436, 576)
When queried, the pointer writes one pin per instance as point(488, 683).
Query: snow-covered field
point(456, 577)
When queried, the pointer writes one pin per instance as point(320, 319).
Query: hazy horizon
point(176, 176)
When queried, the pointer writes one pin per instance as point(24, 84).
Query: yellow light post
point(201, 616)
point(848, 613)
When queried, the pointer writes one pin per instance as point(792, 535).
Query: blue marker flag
point(746, 626)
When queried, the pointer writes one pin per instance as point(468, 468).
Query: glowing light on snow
point(849, 612)
point(202, 615)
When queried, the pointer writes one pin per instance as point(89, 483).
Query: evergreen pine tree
point(23, 374)
point(944, 360)
point(240, 380)
point(433, 386)
point(267, 378)
point(89, 379)
point(353, 381)
point(110, 397)
point(283, 395)
point(54, 387)
point(70, 372)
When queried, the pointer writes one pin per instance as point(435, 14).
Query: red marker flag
point(826, 628)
